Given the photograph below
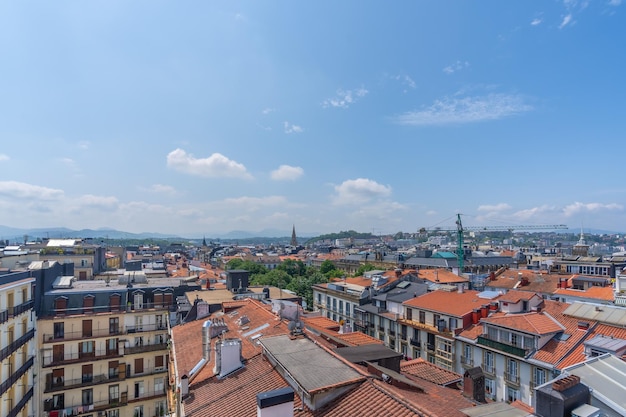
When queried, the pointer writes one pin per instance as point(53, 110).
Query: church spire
point(294, 240)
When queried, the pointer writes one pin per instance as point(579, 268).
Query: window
point(112, 347)
point(512, 371)
point(158, 385)
point(58, 401)
point(422, 317)
point(59, 330)
point(87, 332)
point(113, 413)
point(452, 324)
point(488, 362)
point(436, 320)
point(138, 301)
point(86, 349)
point(114, 302)
point(539, 376)
point(348, 309)
point(60, 306)
point(319, 298)
point(114, 394)
point(512, 394)
point(466, 358)
point(138, 323)
point(490, 388)
point(515, 340)
point(138, 389)
point(409, 314)
point(158, 362)
point(158, 320)
point(88, 302)
point(340, 306)
point(113, 369)
point(87, 397)
point(159, 408)
point(138, 411)
point(87, 373)
point(114, 325)
point(139, 366)
point(58, 376)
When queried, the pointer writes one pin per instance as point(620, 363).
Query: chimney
point(475, 316)
point(276, 403)
point(206, 340)
point(493, 306)
point(565, 383)
point(227, 357)
point(484, 311)
point(460, 289)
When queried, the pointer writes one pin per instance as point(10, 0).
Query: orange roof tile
point(538, 281)
point(533, 323)
point(450, 303)
point(578, 354)
point(440, 275)
point(598, 293)
point(429, 372)
point(515, 296)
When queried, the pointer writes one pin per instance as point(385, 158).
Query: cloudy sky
point(199, 118)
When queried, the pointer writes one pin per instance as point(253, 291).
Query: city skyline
point(209, 118)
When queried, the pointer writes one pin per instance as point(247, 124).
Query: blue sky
point(199, 118)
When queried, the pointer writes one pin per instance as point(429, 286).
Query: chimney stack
point(276, 403)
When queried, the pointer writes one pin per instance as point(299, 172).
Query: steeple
point(203, 241)
point(294, 240)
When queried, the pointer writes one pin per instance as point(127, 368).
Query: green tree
point(293, 268)
point(363, 269)
point(326, 266)
point(274, 278)
point(252, 267)
point(303, 286)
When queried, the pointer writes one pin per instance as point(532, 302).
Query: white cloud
point(97, 202)
point(496, 207)
point(536, 21)
point(534, 212)
point(566, 20)
point(162, 189)
point(290, 128)
point(4, 157)
point(360, 190)
point(615, 2)
point(215, 166)
point(466, 110)
point(578, 207)
point(287, 173)
point(83, 144)
point(345, 98)
point(457, 66)
point(267, 110)
point(406, 81)
point(29, 191)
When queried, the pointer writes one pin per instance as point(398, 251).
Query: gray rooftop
point(607, 343)
point(603, 374)
point(604, 314)
point(311, 366)
point(494, 409)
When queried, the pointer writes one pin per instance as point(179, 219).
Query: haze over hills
point(14, 234)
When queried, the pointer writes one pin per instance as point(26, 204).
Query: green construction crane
point(460, 252)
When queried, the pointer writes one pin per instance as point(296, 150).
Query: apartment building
point(88, 259)
point(434, 319)
point(104, 346)
point(17, 339)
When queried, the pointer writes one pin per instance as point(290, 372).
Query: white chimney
point(227, 357)
point(206, 341)
point(277, 403)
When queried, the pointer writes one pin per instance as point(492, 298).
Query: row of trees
point(293, 275)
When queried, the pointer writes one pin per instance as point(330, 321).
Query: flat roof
point(373, 352)
point(499, 409)
point(602, 313)
point(312, 367)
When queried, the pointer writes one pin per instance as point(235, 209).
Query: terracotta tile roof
point(556, 349)
point(532, 323)
point(187, 338)
point(320, 322)
point(440, 275)
point(538, 281)
point(597, 293)
point(429, 372)
point(358, 339)
point(578, 355)
point(472, 332)
point(515, 296)
point(450, 303)
point(523, 406)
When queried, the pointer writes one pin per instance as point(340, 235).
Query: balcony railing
point(113, 308)
point(392, 332)
point(107, 332)
point(13, 378)
point(69, 358)
point(148, 395)
point(119, 401)
point(430, 346)
point(488, 369)
point(15, 411)
point(145, 348)
point(15, 345)
point(81, 382)
point(416, 343)
point(426, 327)
point(512, 378)
point(504, 347)
point(467, 361)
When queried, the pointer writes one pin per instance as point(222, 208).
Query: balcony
point(148, 395)
point(21, 404)
point(430, 347)
point(145, 348)
point(381, 328)
point(503, 347)
point(15, 345)
point(488, 369)
point(511, 378)
point(86, 381)
point(114, 309)
point(427, 327)
point(119, 401)
point(415, 343)
point(109, 332)
point(69, 358)
point(392, 333)
point(13, 378)
point(466, 361)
